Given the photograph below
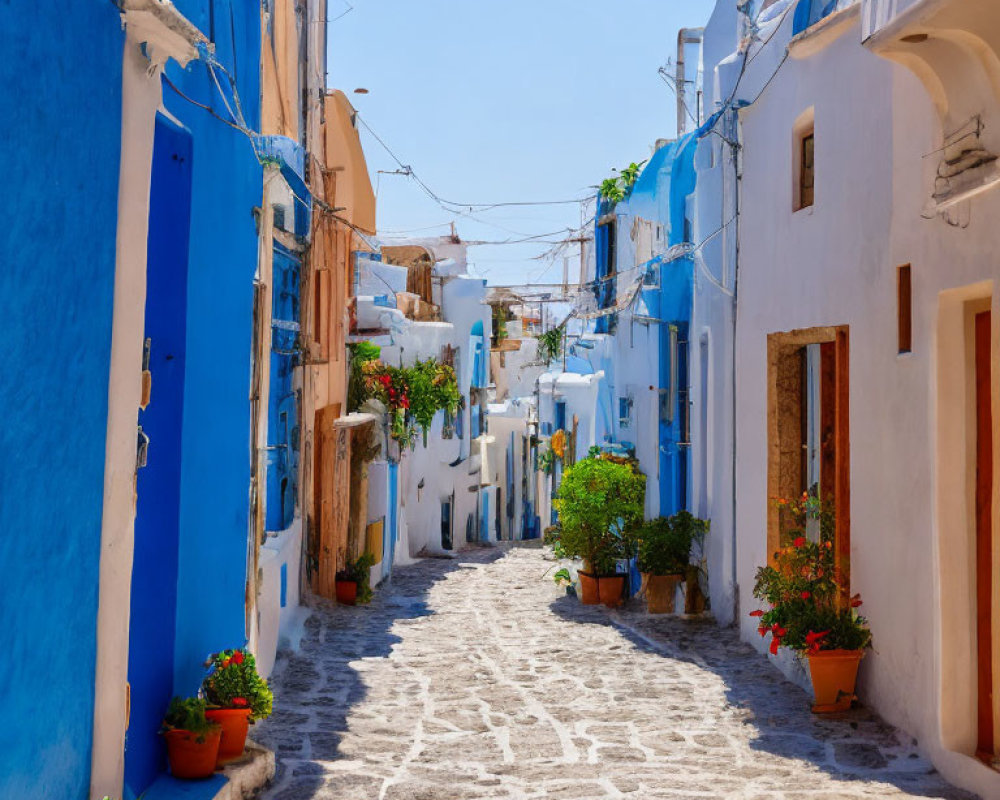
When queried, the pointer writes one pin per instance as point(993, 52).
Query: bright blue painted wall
point(660, 193)
point(216, 461)
point(675, 182)
point(60, 109)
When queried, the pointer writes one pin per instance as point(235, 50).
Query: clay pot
point(610, 590)
point(190, 758)
point(347, 593)
point(660, 593)
point(589, 594)
point(834, 677)
point(235, 723)
point(694, 600)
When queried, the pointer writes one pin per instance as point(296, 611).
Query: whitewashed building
point(866, 333)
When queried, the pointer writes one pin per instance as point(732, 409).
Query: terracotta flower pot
point(610, 590)
point(589, 594)
point(834, 677)
point(660, 593)
point(235, 723)
point(190, 758)
point(347, 593)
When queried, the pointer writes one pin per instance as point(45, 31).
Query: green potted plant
point(665, 557)
point(809, 609)
point(691, 529)
point(354, 581)
point(237, 695)
point(192, 739)
point(600, 503)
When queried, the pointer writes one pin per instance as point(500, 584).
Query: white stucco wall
point(835, 264)
point(444, 468)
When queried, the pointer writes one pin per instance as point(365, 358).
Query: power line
point(479, 207)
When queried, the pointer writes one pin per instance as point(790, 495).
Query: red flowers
point(762, 630)
point(800, 541)
point(385, 380)
point(404, 401)
point(240, 702)
point(757, 613)
point(777, 634)
point(814, 640)
point(238, 657)
point(856, 601)
point(806, 595)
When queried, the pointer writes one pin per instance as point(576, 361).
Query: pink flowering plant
point(804, 587)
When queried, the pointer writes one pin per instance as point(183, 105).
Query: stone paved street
point(477, 678)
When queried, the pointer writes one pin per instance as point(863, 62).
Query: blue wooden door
point(154, 569)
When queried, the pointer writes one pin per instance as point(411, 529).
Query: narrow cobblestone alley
point(476, 678)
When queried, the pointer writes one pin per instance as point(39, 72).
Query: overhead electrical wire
point(452, 205)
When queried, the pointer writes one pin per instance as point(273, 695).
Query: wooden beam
point(842, 459)
point(984, 537)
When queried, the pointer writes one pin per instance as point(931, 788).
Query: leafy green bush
point(665, 543)
point(188, 714)
point(600, 504)
point(235, 683)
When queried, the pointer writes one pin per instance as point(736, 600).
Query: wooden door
point(984, 535)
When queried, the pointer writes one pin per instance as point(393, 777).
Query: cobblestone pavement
point(476, 678)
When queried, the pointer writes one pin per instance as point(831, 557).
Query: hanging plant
point(550, 345)
point(412, 396)
point(546, 461)
point(558, 444)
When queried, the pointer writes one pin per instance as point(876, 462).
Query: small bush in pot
point(354, 581)
point(665, 557)
point(600, 504)
point(809, 611)
point(237, 695)
point(192, 739)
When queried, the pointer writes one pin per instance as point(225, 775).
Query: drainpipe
point(685, 36)
point(738, 174)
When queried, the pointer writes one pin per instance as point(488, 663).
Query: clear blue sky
point(497, 102)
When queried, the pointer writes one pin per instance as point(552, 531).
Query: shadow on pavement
point(854, 746)
point(316, 687)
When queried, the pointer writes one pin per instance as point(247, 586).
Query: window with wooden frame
point(804, 161)
point(807, 170)
point(904, 308)
point(321, 313)
point(809, 431)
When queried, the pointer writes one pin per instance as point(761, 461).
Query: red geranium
point(800, 541)
point(757, 613)
point(238, 657)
